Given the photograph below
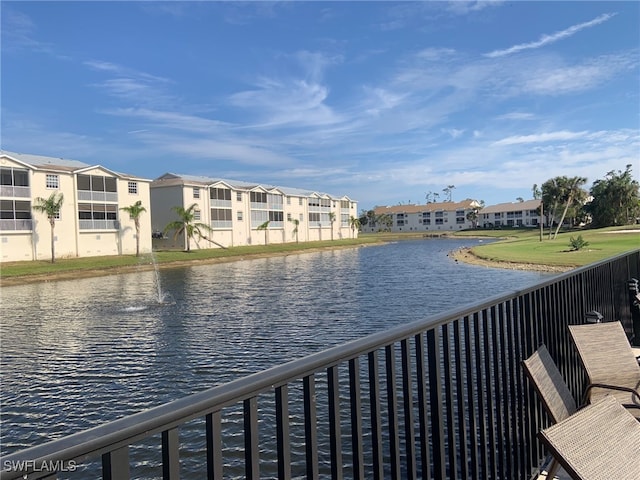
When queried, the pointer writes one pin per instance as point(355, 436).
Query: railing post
point(435, 402)
point(282, 433)
point(115, 464)
point(356, 418)
point(425, 458)
point(310, 427)
point(376, 421)
point(392, 408)
point(214, 446)
point(251, 446)
point(407, 396)
point(170, 454)
point(335, 440)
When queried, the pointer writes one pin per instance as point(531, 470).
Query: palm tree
point(296, 222)
point(537, 194)
point(551, 193)
point(448, 192)
point(472, 216)
point(134, 212)
point(355, 225)
point(265, 227)
point(332, 219)
point(51, 208)
point(573, 191)
point(186, 225)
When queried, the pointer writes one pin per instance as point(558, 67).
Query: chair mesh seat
point(599, 442)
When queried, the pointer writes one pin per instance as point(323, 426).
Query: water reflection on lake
point(78, 353)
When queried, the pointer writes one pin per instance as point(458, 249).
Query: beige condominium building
point(235, 209)
point(515, 214)
point(441, 216)
point(90, 221)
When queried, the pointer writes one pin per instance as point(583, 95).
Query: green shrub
point(577, 243)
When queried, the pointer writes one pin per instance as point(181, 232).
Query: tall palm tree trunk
point(53, 240)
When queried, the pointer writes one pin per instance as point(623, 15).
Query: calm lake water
point(78, 353)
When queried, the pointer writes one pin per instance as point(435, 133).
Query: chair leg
point(553, 469)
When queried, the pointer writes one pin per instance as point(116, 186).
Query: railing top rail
point(127, 430)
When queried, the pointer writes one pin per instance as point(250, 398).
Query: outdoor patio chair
point(550, 386)
point(599, 442)
point(609, 362)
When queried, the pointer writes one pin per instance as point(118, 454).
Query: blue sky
point(381, 101)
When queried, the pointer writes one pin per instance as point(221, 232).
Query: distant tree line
point(613, 200)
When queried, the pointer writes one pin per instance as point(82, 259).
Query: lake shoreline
point(466, 255)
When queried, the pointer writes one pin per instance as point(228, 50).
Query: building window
point(220, 194)
point(300, 201)
point(258, 197)
point(97, 188)
point(53, 181)
point(196, 192)
point(275, 217)
point(301, 216)
point(15, 215)
point(288, 200)
point(288, 217)
point(14, 183)
point(196, 215)
point(97, 216)
point(239, 196)
point(239, 215)
point(221, 218)
point(133, 188)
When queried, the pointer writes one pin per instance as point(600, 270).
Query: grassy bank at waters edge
point(520, 246)
point(89, 266)
point(523, 246)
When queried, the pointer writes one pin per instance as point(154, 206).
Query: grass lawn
point(524, 246)
point(115, 263)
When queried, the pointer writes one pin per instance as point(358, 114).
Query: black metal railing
point(441, 398)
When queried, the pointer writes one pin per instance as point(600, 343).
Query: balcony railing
point(99, 224)
point(93, 196)
point(15, 191)
point(441, 398)
point(16, 225)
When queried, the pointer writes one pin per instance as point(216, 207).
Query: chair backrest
point(605, 353)
point(599, 442)
point(551, 387)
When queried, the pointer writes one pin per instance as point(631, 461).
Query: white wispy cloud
point(541, 138)
point(558, 79)
point(554, 37)
point(465, 7)
point(454, 132)
point(516, 116)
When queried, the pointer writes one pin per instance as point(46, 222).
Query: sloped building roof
point(41, 162)
point(172, 179)
point(511, 207)
point(428, 207)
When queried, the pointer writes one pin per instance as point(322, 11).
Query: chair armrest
point(634, 392)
